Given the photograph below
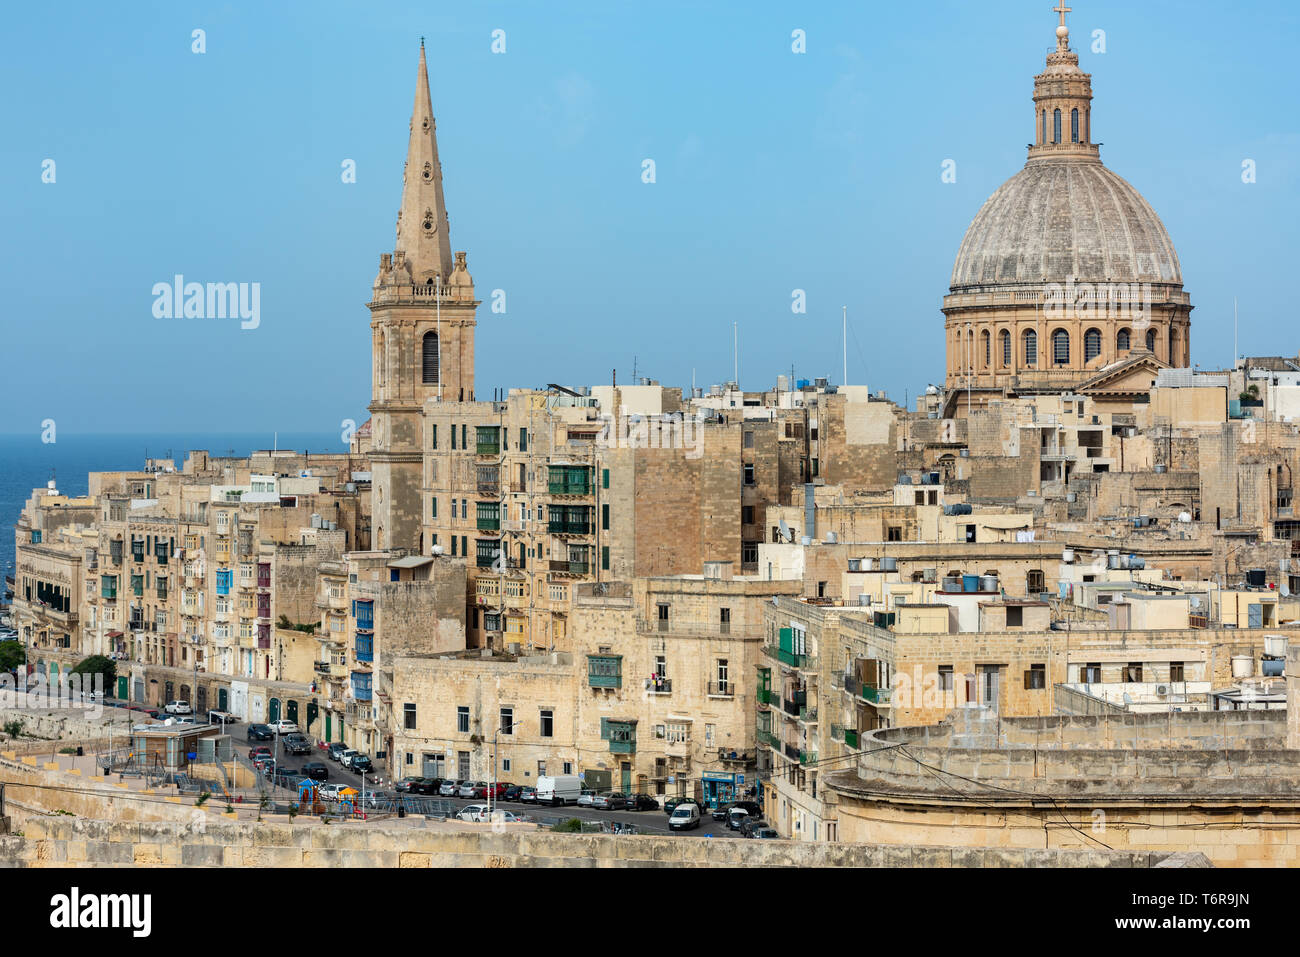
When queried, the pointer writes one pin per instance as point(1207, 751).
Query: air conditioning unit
point(1162, 690)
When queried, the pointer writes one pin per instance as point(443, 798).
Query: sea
point(27, 463)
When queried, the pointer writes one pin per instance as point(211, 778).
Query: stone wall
point(60, 842)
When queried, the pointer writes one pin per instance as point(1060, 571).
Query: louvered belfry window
point(430, 358)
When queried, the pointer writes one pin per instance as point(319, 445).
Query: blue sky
point(775, 172)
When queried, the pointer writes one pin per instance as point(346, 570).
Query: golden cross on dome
point(1062, 9)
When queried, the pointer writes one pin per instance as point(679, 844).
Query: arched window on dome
point(429, 357)
point(1151, 340)
point(1122, 341)
point(986, 342)
point(1042, 138)
point(1087, 125)
point(1056, 127)
point(1061, 347)
point(1091, 344)
point(1031, 347)
point(1005, 338)
point(1074, 126)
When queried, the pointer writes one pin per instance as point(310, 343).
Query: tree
point(12, 655)
point(100, 665)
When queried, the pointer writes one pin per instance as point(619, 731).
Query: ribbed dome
point(1061, 218)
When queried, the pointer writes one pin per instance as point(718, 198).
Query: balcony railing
point(489, 524)
point(570, 488)
point(627, 746)
point(791, 752)
point(659, 685)
point(807, 757)
point(785, 657)
point(769, 739)
point(790, 707)
point(487, 448)
point(570, 528)
point(767, 696)
point(722, 689)
point(808, 715)
point(569, 568)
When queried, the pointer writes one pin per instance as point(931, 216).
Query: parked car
point(426, 786)
point(177, 707)
point(361, 764)
point(673, 804)
point(259, 751)
point(750, 825)
point(497, 790)
point(722, 810)
point(449, 788)
point(334, 749)
point(221, 717)
point(282, 726)
point(316, 770)
point(152, 712)
point(610, 802)
point(586, 798)
point(259, 732)
point(737, 817)
point(507, 817)
point(346, 755)
point(528, 795)
point(765, 833)
point(642, 802)
point(469, 789)
point(296, 743)
point(288, 776)
point(513, 792)
point(475, 813)
point(685, 816)
point(410, 786)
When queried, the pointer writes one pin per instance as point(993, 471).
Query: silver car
point(467, 789)
point(448, 788)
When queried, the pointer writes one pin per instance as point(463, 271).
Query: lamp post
point(492, 788)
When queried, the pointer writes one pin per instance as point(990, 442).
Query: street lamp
point(493, 787)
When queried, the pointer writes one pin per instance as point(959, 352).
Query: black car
point(722, 810)
point(513, 792)
point(296, 743)
point(259, 732)
point(362, 765)
point(671, 804)
point(316, 771)
point(410, 786)
point(287, 776)
point(641, 802)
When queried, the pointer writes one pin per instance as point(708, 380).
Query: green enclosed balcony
point(768, 738)
point(487, 440)
point(850, 737)
point(807, 757)
point(570, 480)
point(489, 524)
point(767, 696)
point(605, 671)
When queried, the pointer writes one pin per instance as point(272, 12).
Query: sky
point(775, 171)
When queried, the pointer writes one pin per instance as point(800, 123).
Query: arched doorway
point(273, 710)
point(185, 694)
point(168, 689)
point(202, 697)
point(291, 710)
point(223, 699)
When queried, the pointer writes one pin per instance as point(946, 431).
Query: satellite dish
point(785, 531)
point(1285, 591)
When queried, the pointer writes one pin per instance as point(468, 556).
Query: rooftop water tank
point(1243, 666)
point(970, 583)
point(1275, 646)
point(889, 564)
point(988, 583)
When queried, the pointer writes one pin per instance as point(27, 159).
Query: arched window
point(1122, 341)
point(1074, 126)
point(1005, 337)
point(1175, 359)
point(1061, 347)
point(986, 341)
point(1056, 127)
point(430, 358)
point(1031, 347)
point(1091, 344)
point(1151, 340)
point(1043, 136)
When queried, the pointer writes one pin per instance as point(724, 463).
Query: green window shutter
point(787, 639)
point(604, 477)
point(604, 557)
point(604, 729)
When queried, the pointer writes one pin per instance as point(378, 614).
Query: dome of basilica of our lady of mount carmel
point(1066, 279)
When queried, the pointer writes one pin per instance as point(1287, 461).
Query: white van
point(560, 789)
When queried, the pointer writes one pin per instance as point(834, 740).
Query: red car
point(498, 790)
point(255, 753)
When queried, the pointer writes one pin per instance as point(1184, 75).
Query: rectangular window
point(749, 440)
point(408, 716)
point(464, 436)
point(724, 621)
point(433, 502)
point(453, 436)
point(1015, 617)
point(435, 435)
point(749, 475)
point(505, 764)
point(1133, 672)
point(1036, 678)
point(604, 517)
point(747, 515)
point(568, 767)
point(546, 723)
point(604, 478)
point(462, 719)
point(604, 558)
point(1176, 671)
point(523, 440)
point(1091, 674)
point(945, 677)
point(507, 720)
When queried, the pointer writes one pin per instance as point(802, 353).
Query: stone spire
point(1063, 103)
point(423, 250)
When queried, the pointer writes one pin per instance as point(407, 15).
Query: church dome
point(1061, 217)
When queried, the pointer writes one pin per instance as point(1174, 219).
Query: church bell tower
point(422, 319)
